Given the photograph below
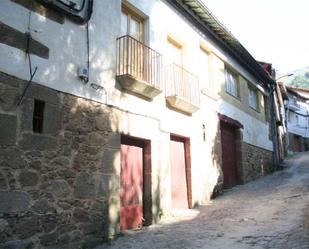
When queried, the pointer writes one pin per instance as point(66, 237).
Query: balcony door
point(133, 25)
point(175, 52)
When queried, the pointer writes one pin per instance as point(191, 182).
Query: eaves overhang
point(200, 16)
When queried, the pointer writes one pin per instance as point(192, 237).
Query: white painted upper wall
point(297, 119)
point(68, 51)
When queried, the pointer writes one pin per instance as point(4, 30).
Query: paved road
point(270, 213)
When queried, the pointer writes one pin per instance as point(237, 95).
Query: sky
point(274, 31)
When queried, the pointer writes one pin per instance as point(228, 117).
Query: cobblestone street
point(272, 212)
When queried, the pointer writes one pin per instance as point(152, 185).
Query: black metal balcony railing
point(183, 84)
point(139, 61)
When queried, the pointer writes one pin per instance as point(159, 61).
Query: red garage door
point(178, 173)
point(228, 140)
point(131, 186)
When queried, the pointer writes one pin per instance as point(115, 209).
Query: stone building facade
point(66, 136)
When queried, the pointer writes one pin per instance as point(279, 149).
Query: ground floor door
point(296, 143)
point(179, 173)
point(131, 184)
point(229, 159)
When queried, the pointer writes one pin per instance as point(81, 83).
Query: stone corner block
point(13, 201)
point(8, 125)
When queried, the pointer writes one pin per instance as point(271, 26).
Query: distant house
point(297, 120)
point(114, 114)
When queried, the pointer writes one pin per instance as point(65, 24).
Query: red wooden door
point(178, 174)
point(228, 140)
point(131, 186)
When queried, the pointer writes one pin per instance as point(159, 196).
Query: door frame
point(237, 126)
point(147, 174)
point(186, 142)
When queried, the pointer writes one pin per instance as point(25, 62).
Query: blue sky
point(275, 31)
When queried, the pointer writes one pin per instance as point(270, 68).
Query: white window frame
point(132, 15)
point(204, 77)
point(253, 98)
point(231, 83)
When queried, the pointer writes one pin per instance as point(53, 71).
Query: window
point(78, 10)
point(38, 116)
point(231, 83)
point(175, 51)
point(204, 67)
point(253, 98)
point(132, 24)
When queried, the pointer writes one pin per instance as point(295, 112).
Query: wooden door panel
point(178, 174)
point(131, 186)
point(229, 160)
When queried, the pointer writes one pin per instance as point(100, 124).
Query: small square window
point(231, 83)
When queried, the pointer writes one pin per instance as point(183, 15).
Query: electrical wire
point(88, 51)
point(32, 73)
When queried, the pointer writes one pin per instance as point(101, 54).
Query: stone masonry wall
point(255, 162)
point(55, 187)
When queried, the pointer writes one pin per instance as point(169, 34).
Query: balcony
point(293, 105)
point(182, 89)
point(139, 68)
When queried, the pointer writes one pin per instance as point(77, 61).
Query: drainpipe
point(275, 138)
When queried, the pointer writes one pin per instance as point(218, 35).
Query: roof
point(199, 15)
point(293, 90)
point(299, 89)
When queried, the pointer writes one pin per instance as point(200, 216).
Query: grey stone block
point(85, 186)
point(59, 188)
point(48, 239)
point(13, 201)
point(8, 125)
point(52, 120)
point(3, 182)
point(3, 225)
point(27, 227)
point(11, 158)
point(27, 115)
point(42, 206)
point(14, 244)
point(8, 97)
point(28, 178)
point(38, 142)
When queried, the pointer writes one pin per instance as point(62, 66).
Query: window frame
point(80, 16)
point(131, 14)
point(236, 77)
point(208, 53)
point(256, 94)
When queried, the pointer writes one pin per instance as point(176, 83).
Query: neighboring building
point(107, 125)
point(297, 119)
point(277, 124)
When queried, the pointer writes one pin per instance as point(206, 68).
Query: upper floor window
point(253, 98)
point(204, 67)
point(132, 24)
point(231, 83)
point(78, 10)
point(175, 51)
